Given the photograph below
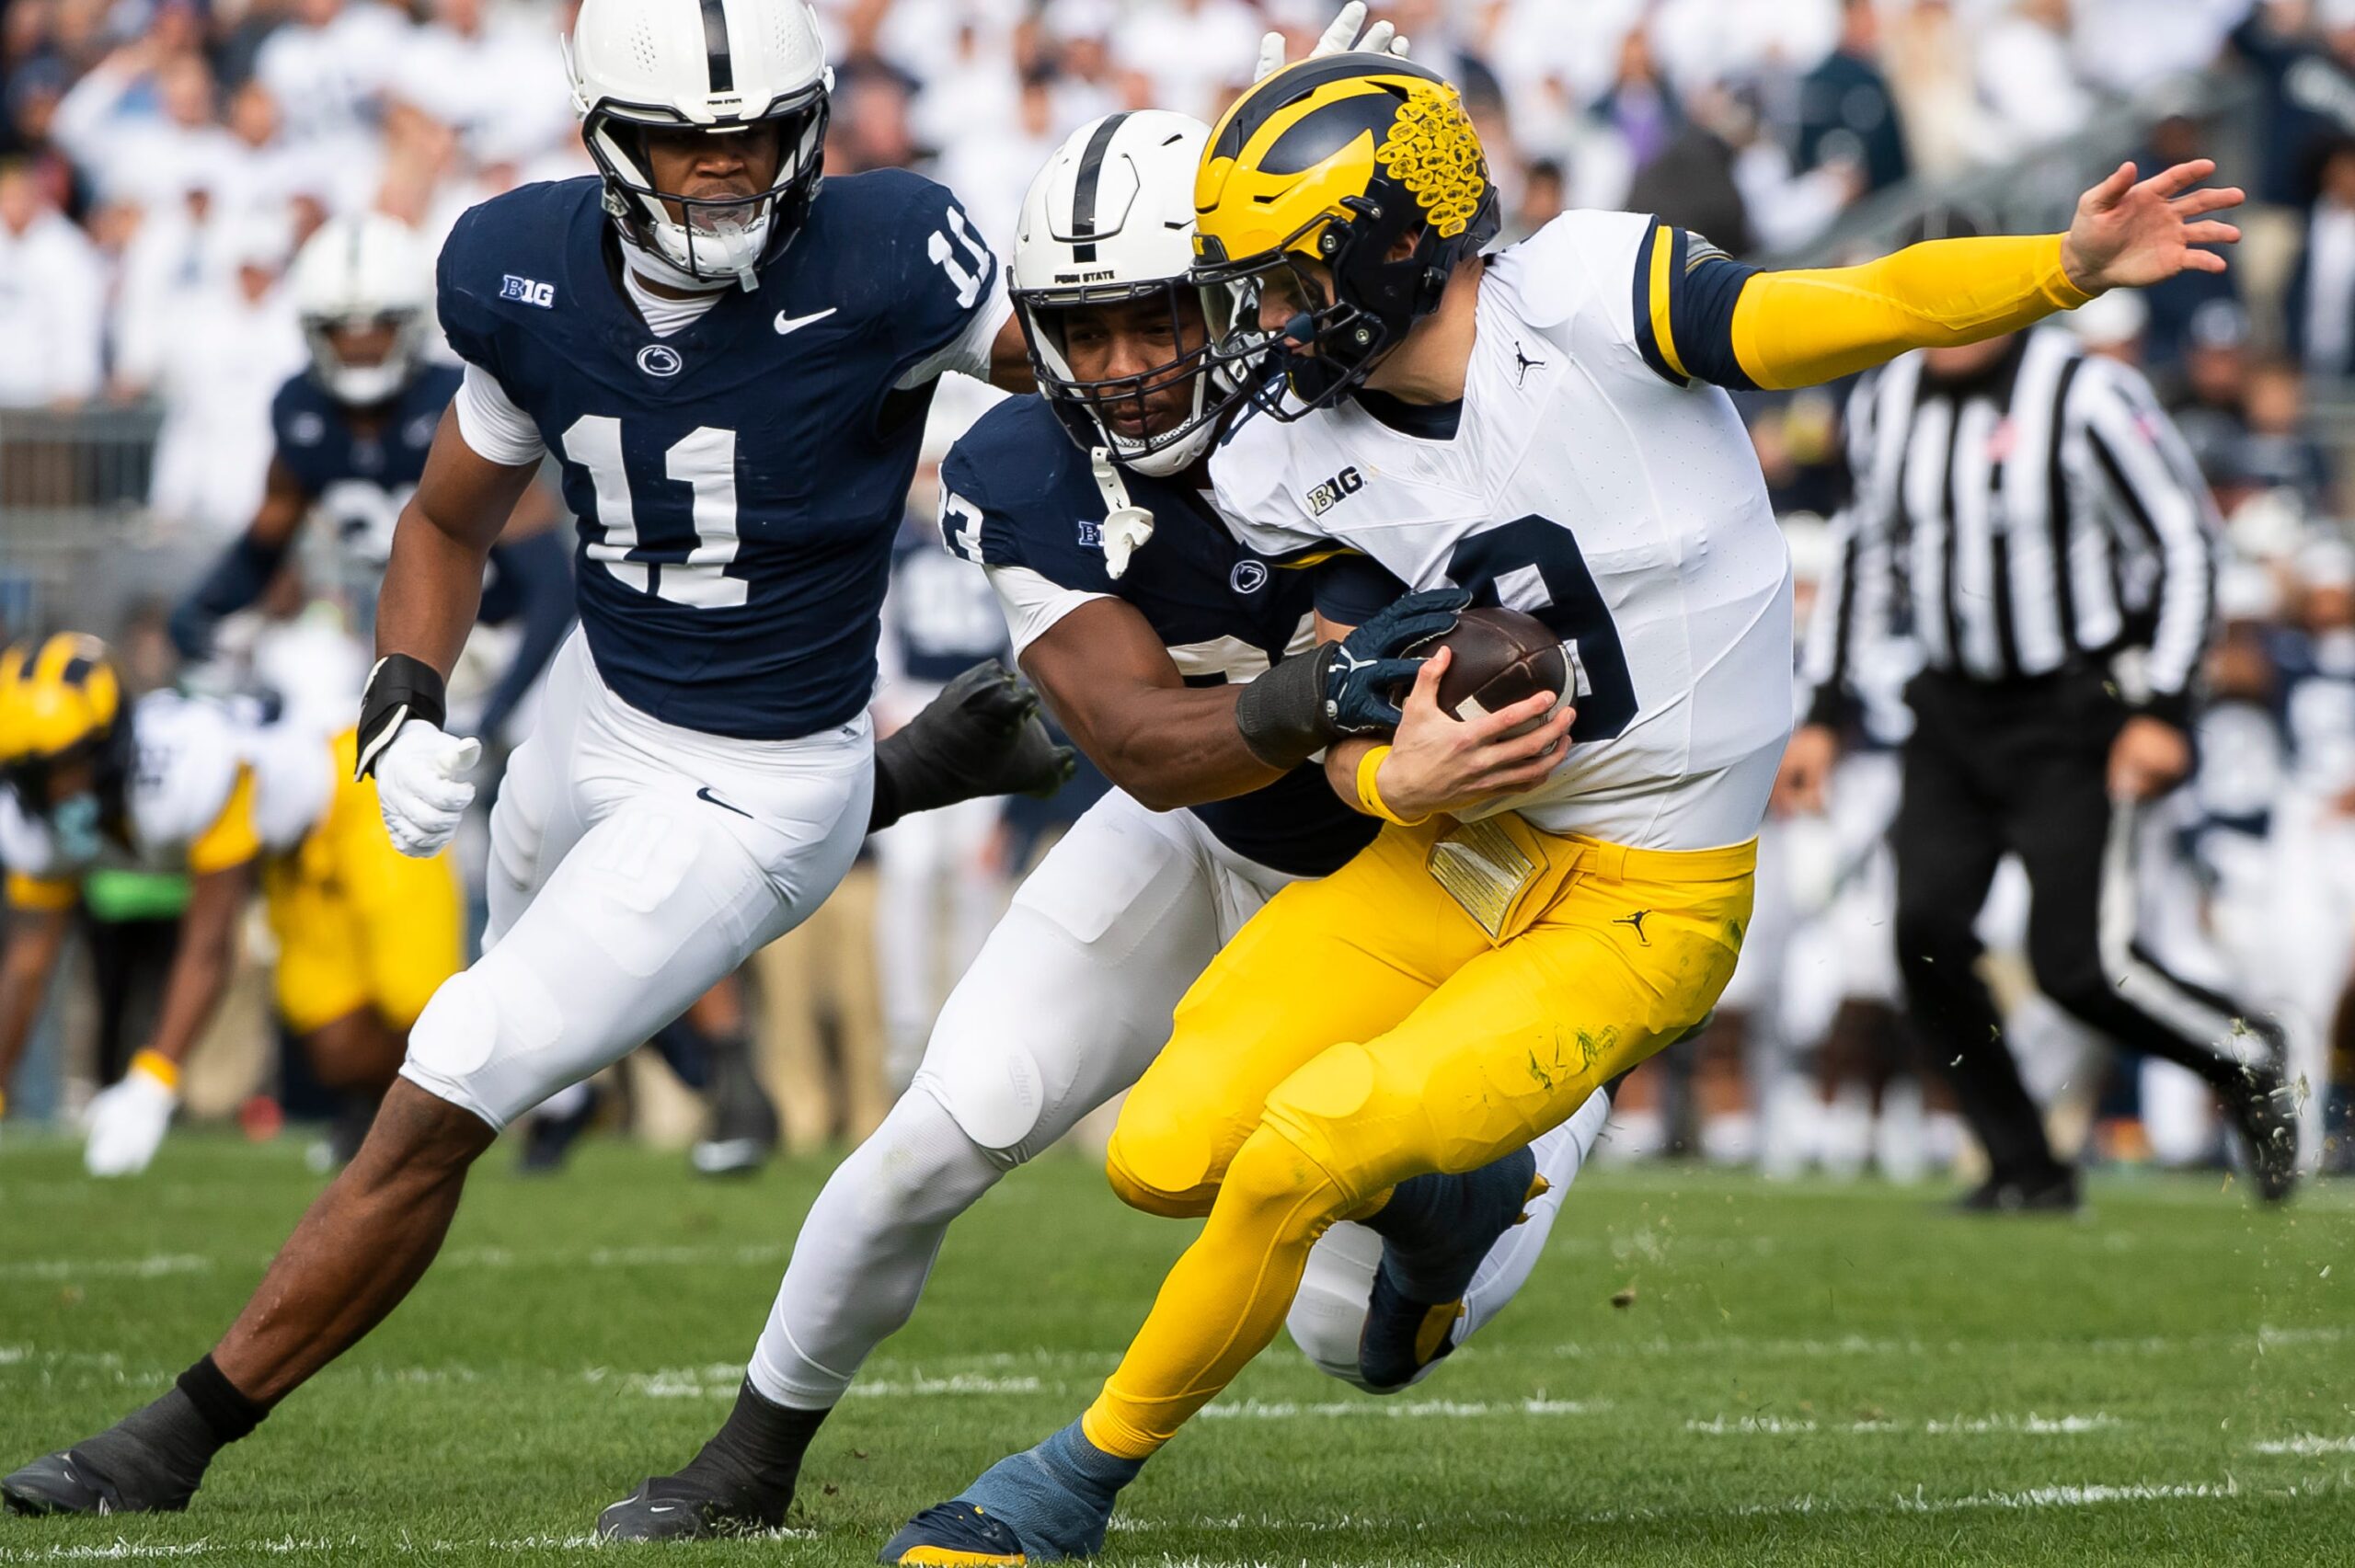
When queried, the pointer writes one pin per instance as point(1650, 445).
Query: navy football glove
point(1313, 699)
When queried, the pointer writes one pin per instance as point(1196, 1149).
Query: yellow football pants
point(360, 924)
point(1456, 1046)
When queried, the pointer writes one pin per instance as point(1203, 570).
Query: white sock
point(865, 1251)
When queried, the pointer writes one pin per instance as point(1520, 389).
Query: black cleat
point(1405, 1333)
point(2057, 1190)
point(2266, 1114)
point(548, 1140)
point(69, 1483)
point(685, 1508)
point(744, 1128)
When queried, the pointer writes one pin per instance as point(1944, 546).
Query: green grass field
point(1804, 1374)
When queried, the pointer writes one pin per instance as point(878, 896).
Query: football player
point(1544, 427)
point(1171, 654)
point(352, 434)
point(186, 785)
point(731, 362)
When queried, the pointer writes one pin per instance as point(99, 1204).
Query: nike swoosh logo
point(785, 324)
point(705, 795)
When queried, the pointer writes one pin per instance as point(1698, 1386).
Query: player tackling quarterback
point(732, 365)
point(1543, 426)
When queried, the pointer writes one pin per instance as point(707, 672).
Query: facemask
point(74, 828)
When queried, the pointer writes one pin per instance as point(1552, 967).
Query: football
point(1499, 658)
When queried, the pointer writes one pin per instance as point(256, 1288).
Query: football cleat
point(955, 1534)
point(69, 1483)
point(1406, 1332)
point(680, 1507)
point(744, 1127)
point(2266, 1114)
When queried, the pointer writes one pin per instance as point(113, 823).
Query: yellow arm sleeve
point(233, 839)
point(43, 894)
point(1803, 328)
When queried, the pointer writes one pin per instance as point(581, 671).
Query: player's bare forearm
point(1010, 368)
point(433, 578)
point(201, 965)
point(1112, 685)
point(1341, 760)
point(36, 937)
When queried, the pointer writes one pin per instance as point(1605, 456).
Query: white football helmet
point(365, 270)
point(723, 66)
point(1110, 219)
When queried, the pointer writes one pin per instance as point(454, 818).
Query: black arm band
point(1282, 714)
point(400, 689)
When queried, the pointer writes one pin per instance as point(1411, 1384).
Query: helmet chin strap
point(1127, 526)
point(652, 266)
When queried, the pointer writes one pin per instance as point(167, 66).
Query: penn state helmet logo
point(659, 360)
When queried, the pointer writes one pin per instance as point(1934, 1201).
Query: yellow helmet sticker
point(1435, 152)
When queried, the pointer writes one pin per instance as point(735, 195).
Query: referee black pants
point(2021, 768)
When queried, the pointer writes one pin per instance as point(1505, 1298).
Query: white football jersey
point(187, 754)
point(1624, 510)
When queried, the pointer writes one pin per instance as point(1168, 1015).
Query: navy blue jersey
point(1019, 494)
point(739, 482)
point(941, 616)
point(360, 482)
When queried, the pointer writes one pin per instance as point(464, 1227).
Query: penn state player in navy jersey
point(351, 435)
point(1149, 630)
point(731, 363)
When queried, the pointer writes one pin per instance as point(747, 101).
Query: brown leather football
point(1498, 657)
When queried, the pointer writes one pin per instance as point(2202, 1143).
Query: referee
point(2027, 515)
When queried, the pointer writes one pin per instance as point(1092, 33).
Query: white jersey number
point(705, 461)
point(1533, 565)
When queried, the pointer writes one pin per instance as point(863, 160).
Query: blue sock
point(1058, 1496)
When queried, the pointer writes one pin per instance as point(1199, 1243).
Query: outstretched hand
point(1340, 37)
point(2131, 235)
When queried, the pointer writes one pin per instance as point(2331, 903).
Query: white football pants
point(1068, 1002)
point(633, 865)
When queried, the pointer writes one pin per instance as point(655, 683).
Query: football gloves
point(422, 787)
point(982, 736)
point(1340, 37)
point(1313, 699)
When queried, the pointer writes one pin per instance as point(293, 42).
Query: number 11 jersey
point(738, 481)
point(1621, 505)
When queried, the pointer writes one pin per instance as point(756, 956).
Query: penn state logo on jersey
point(738, 484)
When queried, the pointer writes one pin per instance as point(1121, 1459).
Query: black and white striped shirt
point(2040, 514)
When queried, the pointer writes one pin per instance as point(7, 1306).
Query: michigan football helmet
point(1340, 193)
point(61, 702)
point(364, 271)
point(1108, 221)
point(722, 67)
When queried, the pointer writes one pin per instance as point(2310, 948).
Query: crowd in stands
point(160, 160)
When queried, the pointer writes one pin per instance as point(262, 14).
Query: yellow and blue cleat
point(955, 1534)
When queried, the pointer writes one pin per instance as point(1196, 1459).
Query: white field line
point(2030, 1425)
point(154, 1266)
point(1372, 1409)
point(2305, 1445)
point(288, 1546)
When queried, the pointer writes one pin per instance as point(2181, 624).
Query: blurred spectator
point(2276, 453)
point(490, 79)
point(230, 345)
point(1190, 51)
point(34, 91)
point(143, 123)
point(2308, 93)
point(1846, 112)
point(2207, 406)
point(51, 301)
point(2321, 305)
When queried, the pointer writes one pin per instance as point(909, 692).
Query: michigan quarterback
point(1167, 650)
point(731, 362)
point(189, 786)
point(1542, 427)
